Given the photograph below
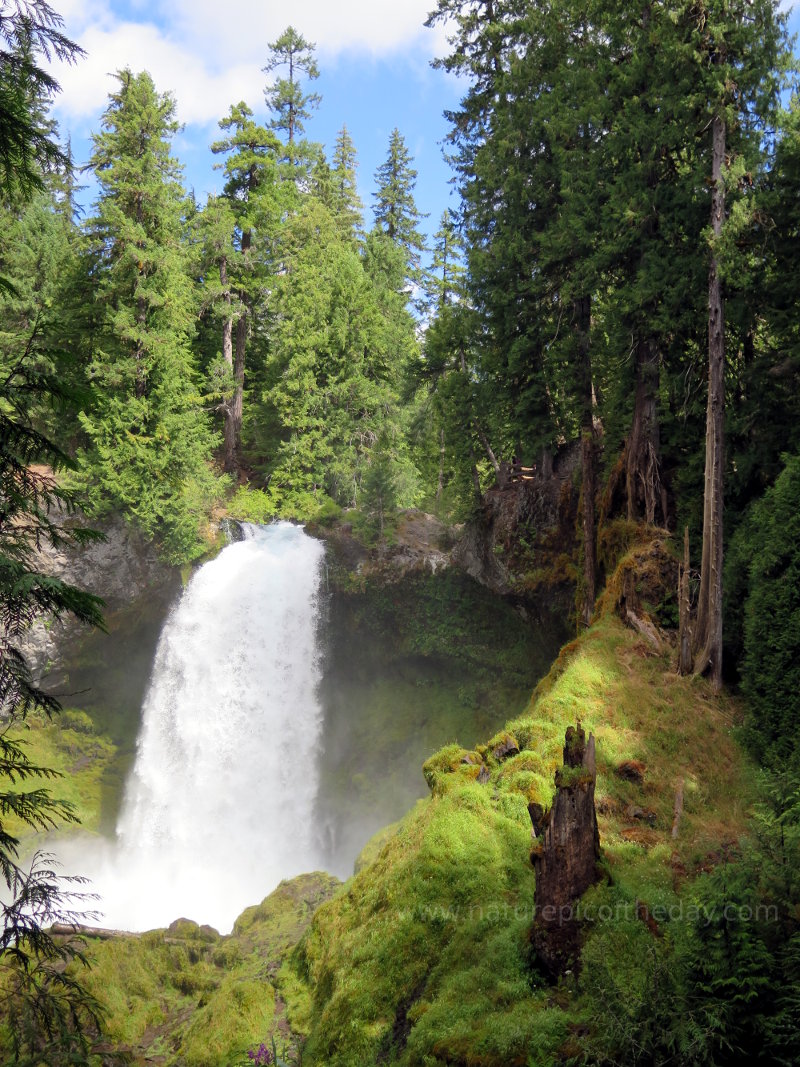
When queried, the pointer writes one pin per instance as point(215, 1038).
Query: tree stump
point(565, 856)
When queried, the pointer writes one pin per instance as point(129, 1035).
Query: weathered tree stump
point(565, 856)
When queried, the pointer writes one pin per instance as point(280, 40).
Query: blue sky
point(375, 74)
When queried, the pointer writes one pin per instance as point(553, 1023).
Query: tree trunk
point(139, 354)
point(582, 322)
point(708, 633)
point(646, 495)
point(484, 440)
point(685, 611)
point(440, 483)
point(565, 855)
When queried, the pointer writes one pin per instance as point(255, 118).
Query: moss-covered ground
point(423, 957)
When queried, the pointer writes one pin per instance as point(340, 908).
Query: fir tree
point(395, 210)
point(149, 437)
point(46, 1014)
point(257, 200)
point(346, 203)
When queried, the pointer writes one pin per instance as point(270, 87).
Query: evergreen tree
point(337, 347)
point(46, 1015)
point(446, 276)
point(395, 211)
point(30, 39)
point(257, 200)
point(149, 437)
point(216, 227)
point(286, 99)
point(346, 202)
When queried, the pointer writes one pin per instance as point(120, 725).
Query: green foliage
point(286, 98)
point(149, 436)
point(338, 344)
point(262, 506)
point(396, 213)
point(30, 40)
point(46, 1013)
point(771, 661)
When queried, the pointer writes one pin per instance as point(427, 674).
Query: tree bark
point(565, 855)
point(440, 483)
point(708, 632)
point(685, 611)
point(582, 322)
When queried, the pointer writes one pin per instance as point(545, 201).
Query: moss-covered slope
point(188, 997)
point(424, 959)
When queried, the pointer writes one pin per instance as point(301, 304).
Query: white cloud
point(203, 96)
point(372, 26)
point(210, 55)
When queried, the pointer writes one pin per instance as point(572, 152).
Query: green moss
point(86, 761)
point(424, 957)
point(188, 997)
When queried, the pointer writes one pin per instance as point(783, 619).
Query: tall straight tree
point(742, 48)
point(347, 204)
point(286, 99)
point(251, 180)
point(217, 226)
point(395, 209)
point(149, 435)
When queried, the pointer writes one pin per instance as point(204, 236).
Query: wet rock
point(483, 775)
point(232, 530)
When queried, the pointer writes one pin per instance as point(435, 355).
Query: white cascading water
point(219, 806)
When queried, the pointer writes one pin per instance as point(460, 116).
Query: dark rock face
point(122, 569)
point(540, 511)
point(565, 857)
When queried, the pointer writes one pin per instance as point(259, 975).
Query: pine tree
point(149, 437)
point(337, 345)
point(216, 226)
point(742, 49)
point(395, 210)
point(446, 276)
point(31, 38)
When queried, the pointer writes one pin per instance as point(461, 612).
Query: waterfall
point(219, 806)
